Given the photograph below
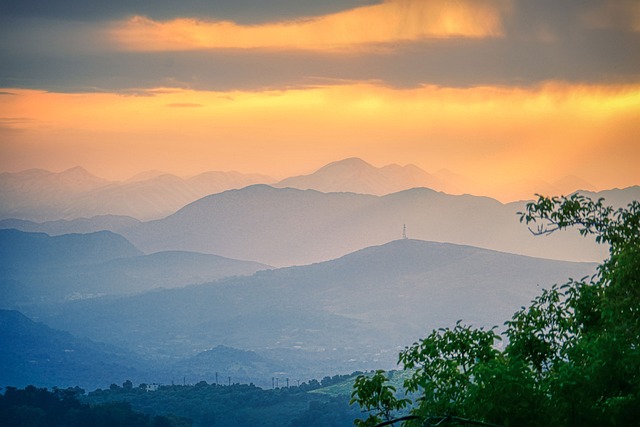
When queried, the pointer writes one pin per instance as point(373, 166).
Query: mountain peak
point(355, 175)
point(348, 163)
point(78, 180)
point(76, 170)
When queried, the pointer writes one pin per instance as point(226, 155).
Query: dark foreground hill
point(339, 316)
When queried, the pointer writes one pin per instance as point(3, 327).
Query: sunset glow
point(507, 94)
point(391, 21)
point(516, 133)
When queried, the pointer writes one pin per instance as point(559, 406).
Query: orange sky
point(397, 20)
point(493, 135)
point(132, 93)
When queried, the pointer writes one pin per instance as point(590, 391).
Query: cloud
point(245, 11)
point(455, 62)
point(15, 122)
point(538, 41)
point(615, 14)
point(388, 22)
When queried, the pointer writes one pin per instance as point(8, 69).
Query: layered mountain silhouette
point(285, 226)
point(38, 268)
point(39, 195)
point(151, 266)
point(346, 314)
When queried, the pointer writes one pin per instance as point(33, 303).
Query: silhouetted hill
point(33, 353)
point(347, 314)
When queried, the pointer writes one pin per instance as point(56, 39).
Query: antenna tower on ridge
point(404, 231)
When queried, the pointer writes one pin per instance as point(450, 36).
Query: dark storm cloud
point(544, 40)
point(243, 11)
point(455, 62)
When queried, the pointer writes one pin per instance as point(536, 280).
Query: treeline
point(239, 404)
point(35, 407)
point(199, 405)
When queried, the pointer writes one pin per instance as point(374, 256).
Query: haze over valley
point(331, 277)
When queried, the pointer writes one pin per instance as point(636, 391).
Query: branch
point(439, 421)
point(397, 420)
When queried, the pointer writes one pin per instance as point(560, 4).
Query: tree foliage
point(572, 356)
point(34, 406)
point(375, 395)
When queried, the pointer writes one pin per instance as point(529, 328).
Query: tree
point(374, 395)
point(572, 356)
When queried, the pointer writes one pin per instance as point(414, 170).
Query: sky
point(505, 92)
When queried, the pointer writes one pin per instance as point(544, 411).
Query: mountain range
point(39, 195)
point(351, 313)
point(285, 226)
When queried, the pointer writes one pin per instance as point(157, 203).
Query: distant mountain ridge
point(357, 176)
point(39, 195)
